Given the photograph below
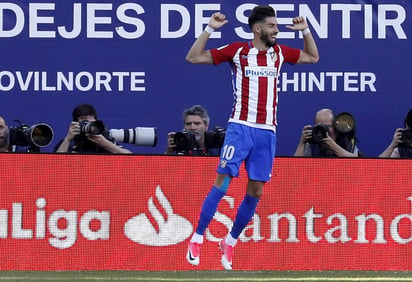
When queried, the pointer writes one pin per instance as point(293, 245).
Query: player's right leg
point(227, 252)
point(193, 253)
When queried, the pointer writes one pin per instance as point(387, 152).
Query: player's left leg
point(244, 214)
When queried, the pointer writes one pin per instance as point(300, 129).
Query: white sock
point(230, 240)
point(197, 238)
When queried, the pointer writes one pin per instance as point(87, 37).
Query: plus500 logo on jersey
point(260, 72)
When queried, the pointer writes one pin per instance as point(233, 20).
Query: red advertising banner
point(78, 212)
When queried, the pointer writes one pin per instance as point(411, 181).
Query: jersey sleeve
point(291, 55)
point(225, 53)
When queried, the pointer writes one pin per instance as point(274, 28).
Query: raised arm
point(74, 130)
point(304, 138)
point(396, 139)
point(197, 53)
point(102, 142)
point(310, 53)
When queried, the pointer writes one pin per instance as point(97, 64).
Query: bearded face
point(268, 39)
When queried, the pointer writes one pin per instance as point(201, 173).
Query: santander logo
point(172, 228)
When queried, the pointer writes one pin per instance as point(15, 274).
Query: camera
point(215, 138)
point(406, 137)
point(140, 136)
point(345, 123)
point(39, 135)
point(91, 127)
point(185, 140)
point(319, 132)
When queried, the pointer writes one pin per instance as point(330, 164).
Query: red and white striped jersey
point(254, 80)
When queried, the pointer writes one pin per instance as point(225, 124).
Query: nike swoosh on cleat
point(190, 256)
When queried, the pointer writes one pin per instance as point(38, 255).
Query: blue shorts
point(255, 146)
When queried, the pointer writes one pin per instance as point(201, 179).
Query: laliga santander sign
point(127, 216)
point(174, 228)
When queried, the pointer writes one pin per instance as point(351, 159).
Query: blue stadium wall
point(128, 59)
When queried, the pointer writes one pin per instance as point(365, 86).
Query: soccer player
point(251, 131)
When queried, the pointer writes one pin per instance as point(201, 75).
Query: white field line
point(341, 278)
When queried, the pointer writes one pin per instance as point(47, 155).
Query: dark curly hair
point(259, 14)
point(83, 110)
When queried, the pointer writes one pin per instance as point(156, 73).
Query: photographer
point(401, 145)
point(80, 137)
point(195, 126)
point(4, 136)
point(331, 144)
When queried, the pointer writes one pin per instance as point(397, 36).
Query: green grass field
point(205, 276)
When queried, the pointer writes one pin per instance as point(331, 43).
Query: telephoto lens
point(140, 136)
point(40, 135)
